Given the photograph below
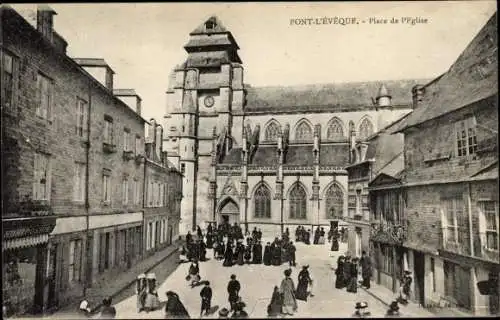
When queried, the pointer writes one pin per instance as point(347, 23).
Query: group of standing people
point(348, 269)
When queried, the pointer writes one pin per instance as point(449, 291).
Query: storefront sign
point(69, 225)
point(109, 220)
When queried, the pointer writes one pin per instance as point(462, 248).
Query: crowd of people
point(232, 248)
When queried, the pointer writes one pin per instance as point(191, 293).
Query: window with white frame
point(41, 183)
point(44, 93)
point(106, 187)
point(75, 260)
point(108, 130)
point(453, 209)
point(137, 192)
point(488, 225)
point(81, 117)
point(79, 185)
point(125, 190)
point(126, 139)
point(465, 131)
point(7, 79)
point(138, 145)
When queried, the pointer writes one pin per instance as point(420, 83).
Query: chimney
point(45, 21)
point(130, 97)
point(418, 92)
point(158, 141)
point(99, 69)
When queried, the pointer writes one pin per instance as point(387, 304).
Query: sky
point(143, 42)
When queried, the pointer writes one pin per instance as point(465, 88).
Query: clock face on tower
point(209, 101)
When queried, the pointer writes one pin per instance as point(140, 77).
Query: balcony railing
point(28, 208)
point(392, 232)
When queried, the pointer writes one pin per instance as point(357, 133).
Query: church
point(267, 157)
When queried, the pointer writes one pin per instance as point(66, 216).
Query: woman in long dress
point(268, 254)
point(274, 308)
point(152, 301)
point(194, 273)
point(240, 252)
point(353, 279)
point(287, 289)
point(321, 236)
point(174, 308)
point(339, 273)
point(141, 291)
point(228, 256)
point(303, 281)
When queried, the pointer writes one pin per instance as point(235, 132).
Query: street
point(257, 282)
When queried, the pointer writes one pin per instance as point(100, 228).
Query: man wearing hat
point(233, 289)
point(223, 313)
point(393, 310)
point(361, 310)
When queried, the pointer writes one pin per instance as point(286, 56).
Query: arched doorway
point(228, 212)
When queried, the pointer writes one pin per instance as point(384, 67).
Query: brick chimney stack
point(45, 21)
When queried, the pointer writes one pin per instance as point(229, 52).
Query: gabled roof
point(487, 172)
point(333, 95)
point(473, 77)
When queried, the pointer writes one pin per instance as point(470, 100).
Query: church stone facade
point(270, 157)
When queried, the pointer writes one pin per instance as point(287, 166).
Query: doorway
point(51, 294)
point(229, 212)
point(419, 270)
point(357, 242)
point(225, 219)
point(170, 235)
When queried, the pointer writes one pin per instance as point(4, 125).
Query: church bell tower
point(204, 92)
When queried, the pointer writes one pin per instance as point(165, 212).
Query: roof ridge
point(338, 83)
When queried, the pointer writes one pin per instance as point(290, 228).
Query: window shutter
point(36, 177)
point(482, 225)
point(444, 223)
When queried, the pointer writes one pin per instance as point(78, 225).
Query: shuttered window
point(488, 225)
point(44, 95)
point(75, 260)
point(42, 175)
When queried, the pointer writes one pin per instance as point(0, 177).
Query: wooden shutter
point(482, 225)
point(78, 260)
point(102, 251)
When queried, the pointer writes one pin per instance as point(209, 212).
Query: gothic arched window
point(335, 130)
point(365, 128)
point(272, 132)
point(303, 132)
point(262, 202)
point(298, 202)
point(334, 202)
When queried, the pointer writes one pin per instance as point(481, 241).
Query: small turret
point(383, 98)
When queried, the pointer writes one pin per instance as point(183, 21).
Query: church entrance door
point(229, 212)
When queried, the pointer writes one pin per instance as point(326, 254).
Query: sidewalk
point(95, 295)
point(386, 296)
point(412, 309)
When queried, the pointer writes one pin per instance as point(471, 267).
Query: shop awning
point(29, 241)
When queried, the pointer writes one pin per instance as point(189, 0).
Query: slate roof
point(463, 84)
point(334, 155)
point(333, 95)
point(394, 167)
point(213, 40)
point(207, 59)
point(488, 172)
point(233, 157)
point(297, 155)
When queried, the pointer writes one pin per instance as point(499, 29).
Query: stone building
point(450, 182)
point(72, 163)
point(381, 152)
point(277, 155)
point(162, 194)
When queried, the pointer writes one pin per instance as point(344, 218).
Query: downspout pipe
point(87, 183)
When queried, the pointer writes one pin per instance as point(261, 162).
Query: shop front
point(24, 264)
